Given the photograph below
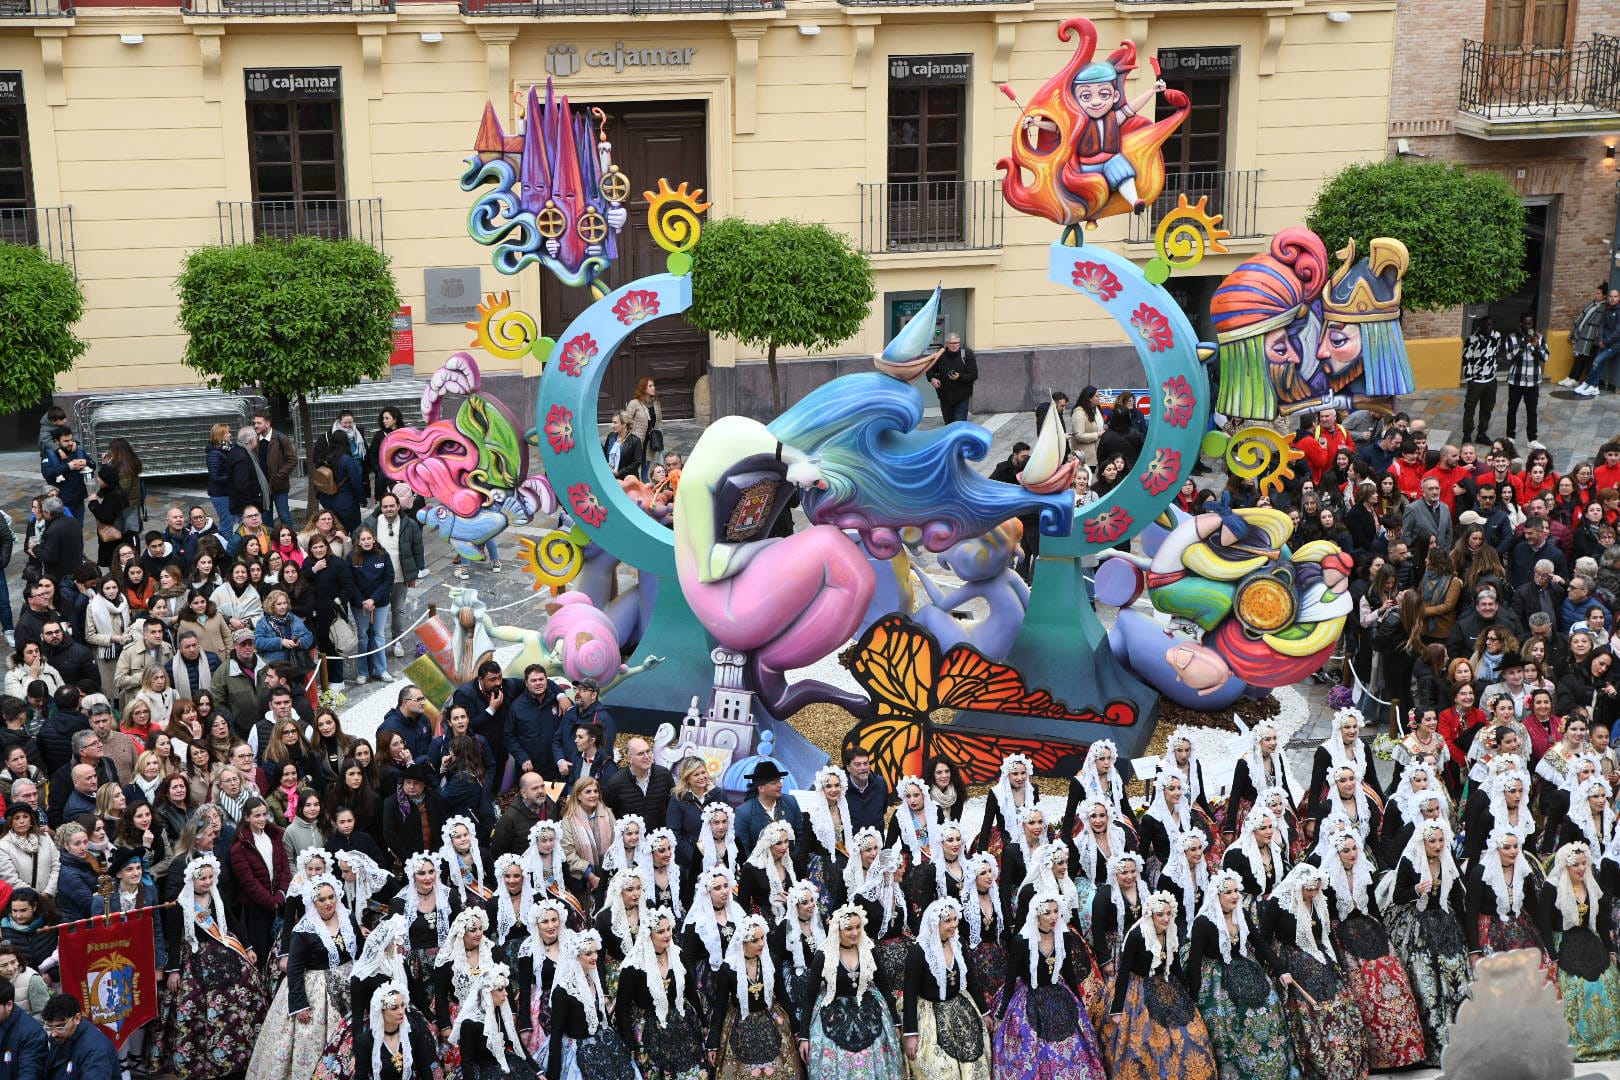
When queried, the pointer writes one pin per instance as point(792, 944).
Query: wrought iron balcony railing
point(540, 8)
point(47, 227)
point(329, 219)
point(1233, 193)
point(1527, 82)
point(932, 215)
point(271, 8)
point(36, 9)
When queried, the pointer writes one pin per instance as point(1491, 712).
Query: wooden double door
point(650, 140)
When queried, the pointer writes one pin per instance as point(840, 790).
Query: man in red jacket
point(1452, 474)
point(1320, 445)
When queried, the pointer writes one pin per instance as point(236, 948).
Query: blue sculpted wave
point(882, 475)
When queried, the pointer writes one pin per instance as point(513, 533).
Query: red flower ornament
point(1178, 400)
point(586, 505)
point(636, 305)
point(1150, 322)
point(1107, 526)
point(560, 429)
point(577, 354)
point(1162, 472)
point(1096, 279)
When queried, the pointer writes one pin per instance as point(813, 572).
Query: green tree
point(294, 318)
point(781, 284)
point(40, 300)
point(1465, 229)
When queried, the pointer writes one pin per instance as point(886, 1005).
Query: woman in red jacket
point(262, 874)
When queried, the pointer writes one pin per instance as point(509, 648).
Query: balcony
point(1539, 92)
point(273, 8)
point(533, 9)
point(36, 9)
point(1233, 193)
point(934, 215)
point(49, 228)
point(328, 219)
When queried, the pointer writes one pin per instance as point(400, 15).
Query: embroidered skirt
point(1046, 1035)
point(289, 1049)
point(1328, 1039)
point(760, 1046)
point(1590, 986)
point(1430, 943)
point(1247, 1025)
point(603, 1056)
point(209, 1028)
point(672, 1052)
point(1158, 1035)
point(1378, 983)
point(852, 1040)
point(952, 1043)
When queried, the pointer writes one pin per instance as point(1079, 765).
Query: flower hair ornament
point(388, 995)
point(1220, 883)
point(843, 918)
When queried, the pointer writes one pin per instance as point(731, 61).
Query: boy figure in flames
point(1099, 89)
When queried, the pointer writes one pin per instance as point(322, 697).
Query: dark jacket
point(966, 369)
point(752, 819)
point(374, 577)
point(55, 738)
point(491, 725)
point(412, 556)
point(562, 744)
point(418, 736)
point(278, 458)
point(75, 663)
point(69, 482)
point(866, 808)
point(88, 1055)
point(36, 941)
point(512, 831)
point(402, 835)
point(684, 817)
point(236, 693)
point(255, 885)
point(623, 795)
point(241, 480)
point(219, 472)
point(24, 1047)
point(75, 885)
point(531, 727)
point(629, 454)
point(61, 547)
point(334, 584)
point(351, 490)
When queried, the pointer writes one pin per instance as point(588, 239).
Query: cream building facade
point(160, 127)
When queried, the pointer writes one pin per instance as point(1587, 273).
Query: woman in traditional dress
point(1043, 1033)
point(382, 962)
point(769, 872)
point(1116, 908)
point(1169, 817)
point(1322, 1017)
point(1424, 899)
point(629, 847)
point(1180, 758)
point(851, 1033)
point(828, 846)
point(1030, 834)
point(394, 1045)
point(1342, 748)
point(1262, 766)
point(1579, 932)
point(1012, 793)
point(1503, 803)
point(538, 958)
point(307, 865)
point(1401, 811)
point(1154, 1031)
point(1292, 832)
point(943, 875)
point(913, 821)
point(619, 923)
point(664, 873)
point(1186, 877)
point(1048, 872)
point(1502, 905)
point(485, 1034)
point(361, 879)
point(463, 861)
point(1377, 979)
point(795, 945)
point(1234, 994)
point(751, 1031)
point(508, 908)
point(943, 1024)
point(428, 907)
point(466, 955)
point(546, 868)
point(657, 1011)
point(1352, 798)
point(709, 927)
point(584, 1044)
point(1258, 858)
point(717, 842)
point(1590, 819)
point(216, 995)
point(1099, 779)
point(986, 926)
point(314, 997)
point(882, 897)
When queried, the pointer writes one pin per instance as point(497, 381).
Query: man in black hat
point(582, 704)
point(768, 804)
point(1510, 681)
point(413, 817)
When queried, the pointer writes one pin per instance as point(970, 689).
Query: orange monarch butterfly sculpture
point(900, 666)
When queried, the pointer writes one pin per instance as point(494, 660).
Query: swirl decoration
point(514, 239)
point(672, 216)
point(502, 330)
point(1260, 454)
point(1188, 233)
point(552, 561)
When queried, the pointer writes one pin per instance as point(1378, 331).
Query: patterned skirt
point(1430, 943)
point(518, 1067)
point(1379, 985)
point(540, 1018)
point(828, 874)
point(890, 955)
point(854, 1041)
point(951, 1041)
point(988, 962)
point(1158, 1035)
point(1086, 891)
point(1046, 1035)
point(601, 1057)
point(672, 1052)
point(1590, 985)
point(1328, 1039)
point(1504, 935)
point(289, 1049)
point(208, 1029)
point(760, 1046)
point(1246, 1022)
point(337, 1060)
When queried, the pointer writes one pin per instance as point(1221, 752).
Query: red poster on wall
point(404, 353)
point(110, 965)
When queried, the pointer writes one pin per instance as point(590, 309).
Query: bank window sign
point(293, 84)
point(11, 88)
point(1206, 63)
point(563, 60)
point(949, 69)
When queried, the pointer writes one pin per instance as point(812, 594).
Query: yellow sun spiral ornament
point(1189, 232)
point(672, 216)
point(1260, 454)
point(552, 561)
point(502, 330)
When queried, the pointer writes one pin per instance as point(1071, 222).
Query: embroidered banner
point(110, 965)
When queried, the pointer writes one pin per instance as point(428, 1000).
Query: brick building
point(1531, 89)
